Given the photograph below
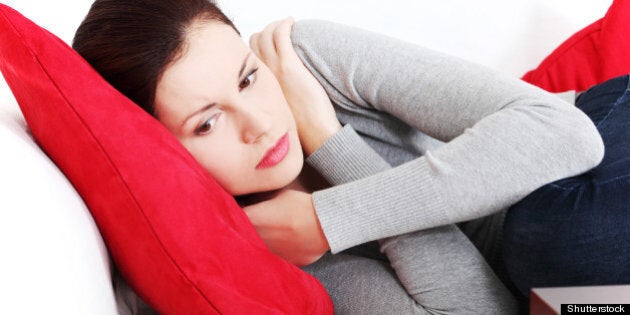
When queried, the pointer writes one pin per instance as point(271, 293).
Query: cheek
point(271, 92)
point(223, 161)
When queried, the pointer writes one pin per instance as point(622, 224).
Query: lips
point(275, 154)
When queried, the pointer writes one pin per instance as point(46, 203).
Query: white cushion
point(53, 258)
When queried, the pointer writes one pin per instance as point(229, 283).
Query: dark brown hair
point(130, 42)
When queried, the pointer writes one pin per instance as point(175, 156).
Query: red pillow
point(593, 55)
point(180, 240)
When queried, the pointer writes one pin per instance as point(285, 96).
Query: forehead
point(210, 59)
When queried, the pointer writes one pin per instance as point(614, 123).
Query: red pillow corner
point(593, 55)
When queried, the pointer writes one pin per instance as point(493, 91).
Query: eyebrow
point(207, 107)
point(197, 112)
point(240, 72)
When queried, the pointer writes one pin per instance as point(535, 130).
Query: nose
point(255, 124)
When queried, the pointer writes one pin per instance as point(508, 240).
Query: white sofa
point(53, 258)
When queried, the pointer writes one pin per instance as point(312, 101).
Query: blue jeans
point(576, 231)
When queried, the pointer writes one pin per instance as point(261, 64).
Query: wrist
point(315, 139)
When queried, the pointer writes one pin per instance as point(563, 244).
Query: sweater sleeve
point(345, 157)
point(504, 138)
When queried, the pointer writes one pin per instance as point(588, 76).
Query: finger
point(267, 46)
point(253, 211)
point(253, 44)
point(282, 39)
point(261, 214)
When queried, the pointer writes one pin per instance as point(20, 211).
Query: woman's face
point(226, 107)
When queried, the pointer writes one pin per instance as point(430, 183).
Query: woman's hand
point(311, 107)
point(288, 225)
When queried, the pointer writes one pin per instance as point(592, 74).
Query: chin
point(277, 179)
point(284, 175)
point(287, 174)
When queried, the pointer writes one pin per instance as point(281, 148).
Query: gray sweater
point(438, 140)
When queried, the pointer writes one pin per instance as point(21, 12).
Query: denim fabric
point(576, 231)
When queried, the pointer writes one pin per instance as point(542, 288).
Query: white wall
point(509, 35)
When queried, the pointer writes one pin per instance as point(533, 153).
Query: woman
point(243, 114)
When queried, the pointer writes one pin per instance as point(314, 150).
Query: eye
point(207, 125)
point(249, 79)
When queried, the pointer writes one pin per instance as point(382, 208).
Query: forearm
point(458, 279)
point(505, 138)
